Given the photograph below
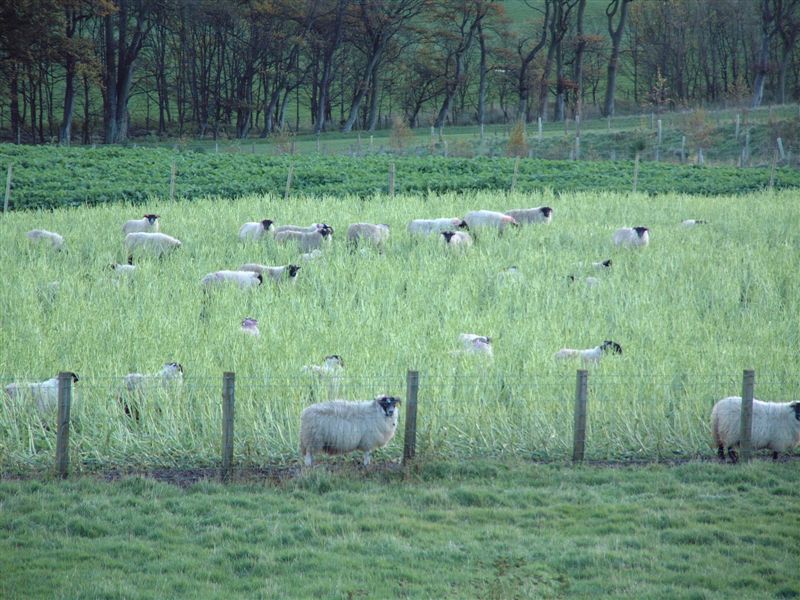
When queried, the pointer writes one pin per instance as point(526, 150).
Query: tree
point(330, 37)
point(614, 7)
point(525, 60)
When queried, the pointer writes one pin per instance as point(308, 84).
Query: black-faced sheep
point(276, 274)
point(775, 425)
point(460, 239)
point(340, 426)
point(330, 373)
point(306, 241)
point(476, 344)
point(154, 243)
point(250, 326)
point(431, 226)
point(603, 264)
point(136, 385)
point(377, 235)
point(44, 394)
point(148, 222)
point(255, 230)
point(591, 355)
point(540, 214)
point(631, 237)
point(693, 222)
point(489, 219)
point(303, 229)
point(244, 279)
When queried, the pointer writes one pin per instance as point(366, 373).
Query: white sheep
point(276, 274)
point(148, 222)
point(592, 355)
point(244, 279)
point(431, 226)
point(693, 222)
point(602, 264)
point(255, 230)
point(775, 425)
point(42, 235)
point(155, 243)
point(476, 344)
point(540, 214)
point(306, 241)
point(589, 281)
point(377, 235)
point(44, 394)
point(340, 426)
point(632, 237)
point(330, 373)
point(489, 218)
point(460, 239)
point(136, 385)
point(302, 229)
point(250, 326)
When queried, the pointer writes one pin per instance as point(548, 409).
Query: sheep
point(330, 372)
point(459, 239)
point(476, 344)
point(339, 426)
point(277, 274)
point(589, 281)
point(244, 279)
point(127, 269)
point(42, 235)
point(431, 226)
point(250, 327)
point(299, 228)
point(157, 243)
point(148, 222)
point(369, 233)
point(602, 264)
point(631, 237)
point(44, 394)
point(775, 425)
point(540, 214)
point(693, 222)
point(592, 355)
point(136, 385)
point(306, 241)
point(255, 230)
point(489, 218)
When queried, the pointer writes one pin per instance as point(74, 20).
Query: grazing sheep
point(589, 281)
point(775, 425)
point(277, 274)
point(299, 228)
point(431, 226)
point(330, 372)
point(244, 279)
point(459, 239)
point(631, 237)
point(603, 264)
point(476, 344)
point(250, 327)
point(693, 222)
point(136, 385)
point(156, 243)
point(44, 394)
point(540, 214)
point(592, 355)
point(42, 235)
point(340, 426)
point(126, 269)
point(369, 233)
point(255, 230)
point(313, 255)
point(489, 218)
point(147, 223)
point(306, 241)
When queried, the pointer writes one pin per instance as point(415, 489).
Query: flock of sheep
point(339, 426)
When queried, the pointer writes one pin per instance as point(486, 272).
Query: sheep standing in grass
point(44, 394)
point(457, 239)
point(340, 426)
point(489, 219)
point(693, 222)
point(632, 237)
point(42, 236)
point(154, 243)
point(775, 425)
point(523, 216)
point(306, 241)
point(476, 344)
point(431, 226)
point(276, 274)
point(137, 385)
point(330, 373)
point(250, 327)
point(148, 222)
point(602, 264)
point(376, 235)
point(592, 355)
point(303, 229)
point(255, 230)
point(244, 279)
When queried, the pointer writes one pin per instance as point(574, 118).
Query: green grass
point(691, 312)
point(446, 530)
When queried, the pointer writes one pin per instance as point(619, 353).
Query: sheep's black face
point(546, 211)
point(448, 235)
point(388, 404)
point(607, 263)
point(74, 376)
point(796, 406)
point(609, 346)
point(266, 224)
point(176, 366)
point(293, 269)
point(463, 225)
point(640, 231)
point(151, 218)
point(335, 358)
point(260, 278)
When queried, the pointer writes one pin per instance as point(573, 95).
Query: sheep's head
point(151, 218)
point(174, 366)
point(609, 346)
point(448, 235)
point(546, 211)
point(796, 407)
point(334, 360)
point(249, 322)
point(260, 278)
point(74, 376)
point(388, 404)
point(293, 269)
point(325, 230)
point(266, 224)
point(607, 263)
point(641, 231)
point(462, 224)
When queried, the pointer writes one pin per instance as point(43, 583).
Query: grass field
point(691, 311)
point(469, 529)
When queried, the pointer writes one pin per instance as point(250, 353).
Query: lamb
point(693, 222)
point(250, 327)
point(339, 426)
point(136, 385)
point(431, 226)
point(156, 243)
point(42, 235)
point(775, 425)
point(459, 239)
point(127, 269)
point(148, 222)
point(330, 372)
point(631, 237)
point(540, 214)
point(489, 218)
point(306, 241)
point(476, 344)
point(244, 279)
point(603, 264)
point(369, 233)
point(44, 394)
point(592, 355)
point(255, 230)
point(276, 274)
point(589, 281)
point(309, 229)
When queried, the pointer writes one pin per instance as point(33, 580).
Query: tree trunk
point(65, 131)
point(13, 92)
point(110, 87)
point(87, 134)
point(327, 69)
point(614, 6)
point(364, 87)
point(483, 70)
point(372, 116)
point(580, 47)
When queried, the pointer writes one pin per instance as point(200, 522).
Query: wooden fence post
point(228, 400)
point(746, 421)
point(391, 179)
point(579, 432)
point(288, 182)
point(62, 435)
point(410, 440)
point(8, 189)
point(635, 172)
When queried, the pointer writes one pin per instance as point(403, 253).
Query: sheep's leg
point(733, 455)
point(721, 452)
point(366, 458)
point(309, 459)
point(775, 455)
